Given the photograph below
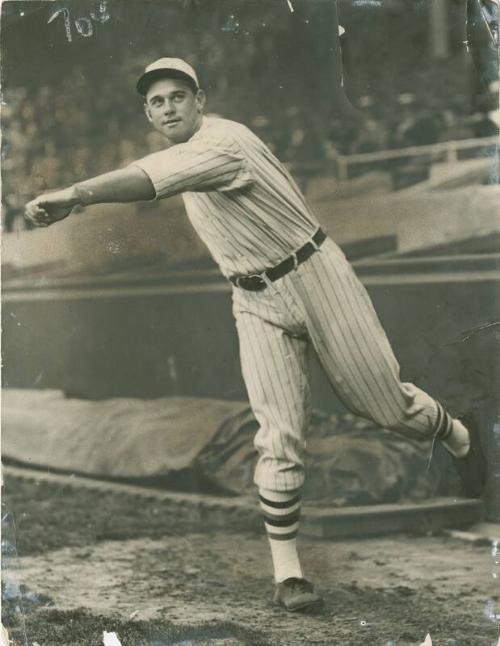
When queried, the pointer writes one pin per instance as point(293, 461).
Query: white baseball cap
point(174, 67)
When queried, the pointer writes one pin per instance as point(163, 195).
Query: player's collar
point(204, 123)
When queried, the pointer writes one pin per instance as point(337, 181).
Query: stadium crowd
point(86, 123)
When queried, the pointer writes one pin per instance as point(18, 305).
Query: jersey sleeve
point(198, 166)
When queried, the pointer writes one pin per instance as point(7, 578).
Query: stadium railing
point(448, 149)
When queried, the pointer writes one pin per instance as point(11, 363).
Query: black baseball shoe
point(297, 595)
point(471, 468)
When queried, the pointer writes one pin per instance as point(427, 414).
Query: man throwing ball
point(292, 287)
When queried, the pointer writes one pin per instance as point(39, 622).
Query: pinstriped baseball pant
point(322, 303)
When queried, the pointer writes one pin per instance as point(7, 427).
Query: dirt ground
point(77, 563)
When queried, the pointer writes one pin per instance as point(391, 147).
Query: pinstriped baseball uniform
point(240, 199)
point(251, 215)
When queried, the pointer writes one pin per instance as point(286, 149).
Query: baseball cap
point(175, 67)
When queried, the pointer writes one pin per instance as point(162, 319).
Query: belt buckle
point(261, 285)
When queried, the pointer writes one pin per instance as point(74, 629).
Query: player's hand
point(48, 208)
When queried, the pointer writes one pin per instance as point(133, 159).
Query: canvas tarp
point(205, 444)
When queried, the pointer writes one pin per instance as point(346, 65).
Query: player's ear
point(147, 112)
point(200, 100)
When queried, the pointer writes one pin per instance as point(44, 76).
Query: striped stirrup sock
point(452, 433)
point(458, 442)
point(281, 511)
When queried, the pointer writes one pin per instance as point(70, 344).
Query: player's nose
point(169, 107)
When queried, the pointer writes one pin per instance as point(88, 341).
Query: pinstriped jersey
point(240, 199)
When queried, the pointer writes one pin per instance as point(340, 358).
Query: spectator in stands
point(38, 122)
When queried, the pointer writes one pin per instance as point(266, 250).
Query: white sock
point(458, 441)
point(281, 511)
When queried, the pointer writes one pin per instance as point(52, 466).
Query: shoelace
point(433, 447)
point(441, 433)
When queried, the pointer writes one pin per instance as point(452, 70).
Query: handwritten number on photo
point(83, 24)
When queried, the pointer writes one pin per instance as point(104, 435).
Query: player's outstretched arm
point(130, 184)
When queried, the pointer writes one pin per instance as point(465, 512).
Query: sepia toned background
point(119, 349)
point(395, 151)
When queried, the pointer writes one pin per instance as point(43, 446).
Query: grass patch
point(43, 516)
point(28, 623)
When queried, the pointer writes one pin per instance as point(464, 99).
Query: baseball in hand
point(56, 213)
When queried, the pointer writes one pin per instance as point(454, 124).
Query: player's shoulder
point(225, 130)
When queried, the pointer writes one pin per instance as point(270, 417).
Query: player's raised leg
point(357, 356)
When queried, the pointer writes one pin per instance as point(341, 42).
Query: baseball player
point(292, 288)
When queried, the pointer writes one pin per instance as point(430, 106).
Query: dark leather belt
point(258, 282)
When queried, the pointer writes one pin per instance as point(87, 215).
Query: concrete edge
point(243, 513)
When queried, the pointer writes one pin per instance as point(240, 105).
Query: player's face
point(173, 109)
